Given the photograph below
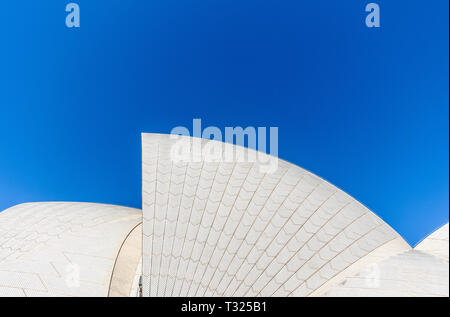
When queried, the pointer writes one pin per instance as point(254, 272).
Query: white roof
point(436, 243)
point(216, 228)
point(423, 271)
point(61, 249)
point(411, 273)
point(231, 229)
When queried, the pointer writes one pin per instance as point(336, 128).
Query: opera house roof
point(216, 227)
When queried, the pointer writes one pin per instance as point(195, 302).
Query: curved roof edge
point(392, 248)
point(126, 264)
point(437, 243)
point(328, 229)
point(287, 162)
point(61, 248)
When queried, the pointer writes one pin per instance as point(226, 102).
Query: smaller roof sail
point(436, 243)
point(61, 249)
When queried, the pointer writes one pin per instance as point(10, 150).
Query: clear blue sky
point(366, 109)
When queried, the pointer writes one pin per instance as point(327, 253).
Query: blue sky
point(366, 109)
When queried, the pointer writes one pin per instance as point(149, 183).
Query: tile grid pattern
point(422, 271)
point(42, 243)
point(410, 273)
point(436, 243)
point(226, 228)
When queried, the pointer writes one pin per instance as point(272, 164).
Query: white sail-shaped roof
point(245, 224)
point(230, 228)
point(436, 243)
point(61, 249)
point(422, 271)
